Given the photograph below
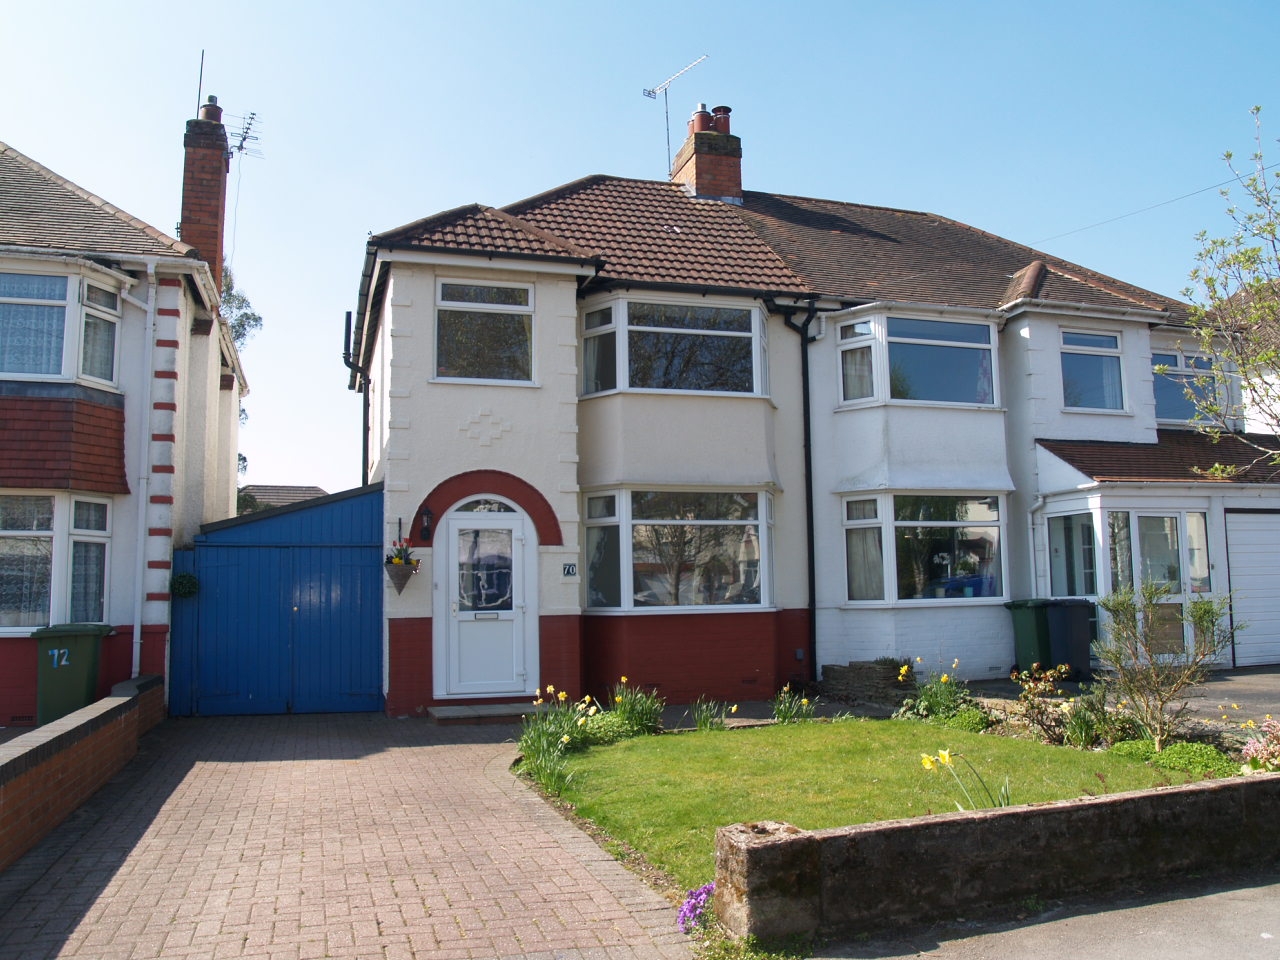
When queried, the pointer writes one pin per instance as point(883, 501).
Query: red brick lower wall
point(18, 668)
point(48, 773)
point(725, 656)
point(409, 690)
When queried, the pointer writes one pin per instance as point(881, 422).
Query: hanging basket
point(399, 573)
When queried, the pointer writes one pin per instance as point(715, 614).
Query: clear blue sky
point(1026, 119)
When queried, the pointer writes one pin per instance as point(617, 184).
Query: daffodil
point(734, 709)
point(945, 678)
point(561, 696)
point(955, 663)
point(804, 701)
point(919, 659)
point(624, 679)
point(586, 698)
point(944, 757)
point(581, 721)
point(565, 738)
point(927, 762)
point(1235, 706)
point(618, 698)
point(592, 712)
point(550, 688)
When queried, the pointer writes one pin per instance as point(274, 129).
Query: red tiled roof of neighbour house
point(649, 231)
point(1173, 458)
point(276, 495)
point(867, 253)
point(477, 228)
point(40, 209)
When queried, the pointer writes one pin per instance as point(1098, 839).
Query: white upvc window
point(1176, 374)
point(53, 559)
point(1091, 370)
point(665, 549)
point(484, 331)
point(914, 360)
point(1073, 565)
point(927, 547)
point(657, 346)
point(57, 326)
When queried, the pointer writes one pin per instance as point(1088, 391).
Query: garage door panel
point(1253, 551)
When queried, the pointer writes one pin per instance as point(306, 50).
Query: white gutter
point(143, 490)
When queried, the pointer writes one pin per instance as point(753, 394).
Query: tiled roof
point(653, 232)
point(1173, 458)
point(40, 209)
point(273, 495)
point(483, 229)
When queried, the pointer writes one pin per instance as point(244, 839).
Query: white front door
point(490, 634)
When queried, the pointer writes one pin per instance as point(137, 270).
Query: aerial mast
point(662, 89)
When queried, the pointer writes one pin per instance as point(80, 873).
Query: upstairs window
point(673, 347)
point(1091, 377)
point(929, 361)
point(1175, 375)
point(484, 331)
point(54, 326)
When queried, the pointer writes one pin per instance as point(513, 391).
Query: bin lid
point(71, 630)
point(1023, 604)
point(1069, 602)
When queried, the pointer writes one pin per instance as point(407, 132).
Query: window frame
point(77, 312)
point(528, 310)
point(877, 339)
point(619, 328)
point(622, 520)
point(63, 534)
point(887, 523)
point(1065, 349)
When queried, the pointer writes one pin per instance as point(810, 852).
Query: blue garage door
point(288, 613)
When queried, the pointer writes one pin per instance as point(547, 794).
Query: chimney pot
point(701, 119)
point(211, 110)
point(720, 119)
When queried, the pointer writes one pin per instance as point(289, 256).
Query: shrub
point(605, 728)
point(1041, 710)
point(1263, 753)
point(969, 719)
point(937, 697)
point(1200, 759)
point(1142, 750)
point(1142, 668)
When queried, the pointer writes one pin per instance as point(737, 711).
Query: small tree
point(1236, 313)
point(1144, 669)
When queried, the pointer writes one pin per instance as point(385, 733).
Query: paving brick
point(290, 838)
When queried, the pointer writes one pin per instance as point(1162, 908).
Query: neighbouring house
point(120, 389)
point(267, 495)
point(711, 439)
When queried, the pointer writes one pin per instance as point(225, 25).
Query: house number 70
point(61, 657)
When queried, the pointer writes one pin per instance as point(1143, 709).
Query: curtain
point(864, 562)
point(31, 338)
point(856, 366)
point(88, 577)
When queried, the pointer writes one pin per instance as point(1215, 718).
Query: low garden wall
point(775, 880)
point(47, 773)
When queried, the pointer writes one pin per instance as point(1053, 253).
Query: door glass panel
point(1071, 565)
point(1198, 552)
point(484, 570)
point(1158, 545)
point(1166, 629)
point(1121, 547)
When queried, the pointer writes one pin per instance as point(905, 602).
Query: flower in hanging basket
point(401, 553)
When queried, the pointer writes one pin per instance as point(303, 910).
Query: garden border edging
point(774, 880)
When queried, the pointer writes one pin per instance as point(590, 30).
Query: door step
point(479, 713)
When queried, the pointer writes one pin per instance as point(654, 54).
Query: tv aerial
point(662, 89)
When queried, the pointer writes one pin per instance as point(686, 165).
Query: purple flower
point(692, 913)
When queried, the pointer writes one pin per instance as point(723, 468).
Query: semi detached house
point(711, 439)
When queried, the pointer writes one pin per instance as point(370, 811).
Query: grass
point(666, 795)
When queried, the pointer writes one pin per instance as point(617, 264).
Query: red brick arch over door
point(480, 482)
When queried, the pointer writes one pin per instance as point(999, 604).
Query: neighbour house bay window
point(650, 548)
point(943, 547)
point(1181, 379)
point(1091, 377)
point(57, 326)
point(663, 346)
point(933, 361)
point(53, 560)
point(484, 331)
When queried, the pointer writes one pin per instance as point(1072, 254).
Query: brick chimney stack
point(204, 186)
point(710, 162)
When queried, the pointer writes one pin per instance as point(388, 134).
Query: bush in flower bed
point(1263, 753)
point(942, 698)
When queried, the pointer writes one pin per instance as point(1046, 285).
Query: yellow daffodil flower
point(1235, 706)
point(944, 679)
point(550, 688)
point(955, 663)
point(927, 761)
point(562, 696)
point(618, 698)
point(944, 757)
point(624, 679)
point(734, 709)
point(565, 738)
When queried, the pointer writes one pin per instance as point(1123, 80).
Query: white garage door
point(1253, 553)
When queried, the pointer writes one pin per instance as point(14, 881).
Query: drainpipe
point(143, 491)
point(364, 375)
point(802, 329)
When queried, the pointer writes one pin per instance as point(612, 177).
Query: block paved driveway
point(347, 836)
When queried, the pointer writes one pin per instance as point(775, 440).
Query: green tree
point(238, 311)
point(1235, 315)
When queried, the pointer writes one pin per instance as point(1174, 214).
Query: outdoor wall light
point(427, 517)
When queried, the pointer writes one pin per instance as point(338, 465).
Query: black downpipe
point(811, 555)
point(364, 390)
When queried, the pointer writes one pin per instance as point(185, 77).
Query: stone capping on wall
point(775, 880)
point(48, 773)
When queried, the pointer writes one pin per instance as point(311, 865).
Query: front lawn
point(666, 795)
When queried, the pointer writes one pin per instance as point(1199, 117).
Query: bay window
point(908, 359)
point(53, 560)
point(1091, 371)
point(661, 548)
point(673, 347)
point(944, 547)
point(484, 331)
point(57, 326)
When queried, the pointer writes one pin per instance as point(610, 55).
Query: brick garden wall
point(775, 880)
point(47, 773)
